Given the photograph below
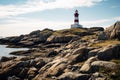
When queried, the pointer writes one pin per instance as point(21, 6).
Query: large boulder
point(93, 52)
point(102, 36)
point(93, 65)
point(38, 36)
point(54, 68)
point(78, 55)
point(86, 68)
point(22, 68)
point(9, 68)
point(3, 59)
point(113, 32)
point(106, 53)
point(16, 39)
point(105, 64)
point(36, 32)
point(109, 52)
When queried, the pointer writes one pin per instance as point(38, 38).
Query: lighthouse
point(76, 20)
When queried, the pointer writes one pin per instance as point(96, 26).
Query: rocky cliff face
point(45, 36)
point(113, 32)
point(64, 55)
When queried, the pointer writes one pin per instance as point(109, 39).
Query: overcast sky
point(23, 16)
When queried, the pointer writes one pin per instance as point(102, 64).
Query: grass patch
point(72, 31)
point(106, 43)
point(89, 37)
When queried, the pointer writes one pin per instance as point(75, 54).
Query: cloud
point(115, 7)
point(101, 22)
point(96, 21)
point(26, 25)
point(27, 22)
point(117, 18)
point(40, 5)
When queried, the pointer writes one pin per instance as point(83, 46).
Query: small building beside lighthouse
point(76, 20)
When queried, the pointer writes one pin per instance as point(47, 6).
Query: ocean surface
point(5, 51)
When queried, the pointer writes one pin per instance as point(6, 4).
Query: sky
point(23, 16)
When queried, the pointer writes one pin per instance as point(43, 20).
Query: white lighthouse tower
point(76, 21)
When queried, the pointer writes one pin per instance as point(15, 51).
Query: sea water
point(5, 51)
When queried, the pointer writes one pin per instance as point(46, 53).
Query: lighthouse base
point(76, 26)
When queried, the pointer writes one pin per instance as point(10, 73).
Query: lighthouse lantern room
point(76, 20)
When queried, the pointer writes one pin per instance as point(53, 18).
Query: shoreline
point(72, 54)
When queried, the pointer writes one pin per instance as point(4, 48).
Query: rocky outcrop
point(28, 40)
point(54, 68)
point(113, 32)
point(40, 36)
point(48, 36)
point(71, 54)
point(36, 68)
point(20, 68)
point(11, 40)
point(60, 39)
point(35, 37)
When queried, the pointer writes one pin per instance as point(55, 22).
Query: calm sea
point(5, 51)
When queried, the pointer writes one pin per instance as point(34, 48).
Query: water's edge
point(4, 51)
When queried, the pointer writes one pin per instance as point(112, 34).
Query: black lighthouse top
point(76, 13)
